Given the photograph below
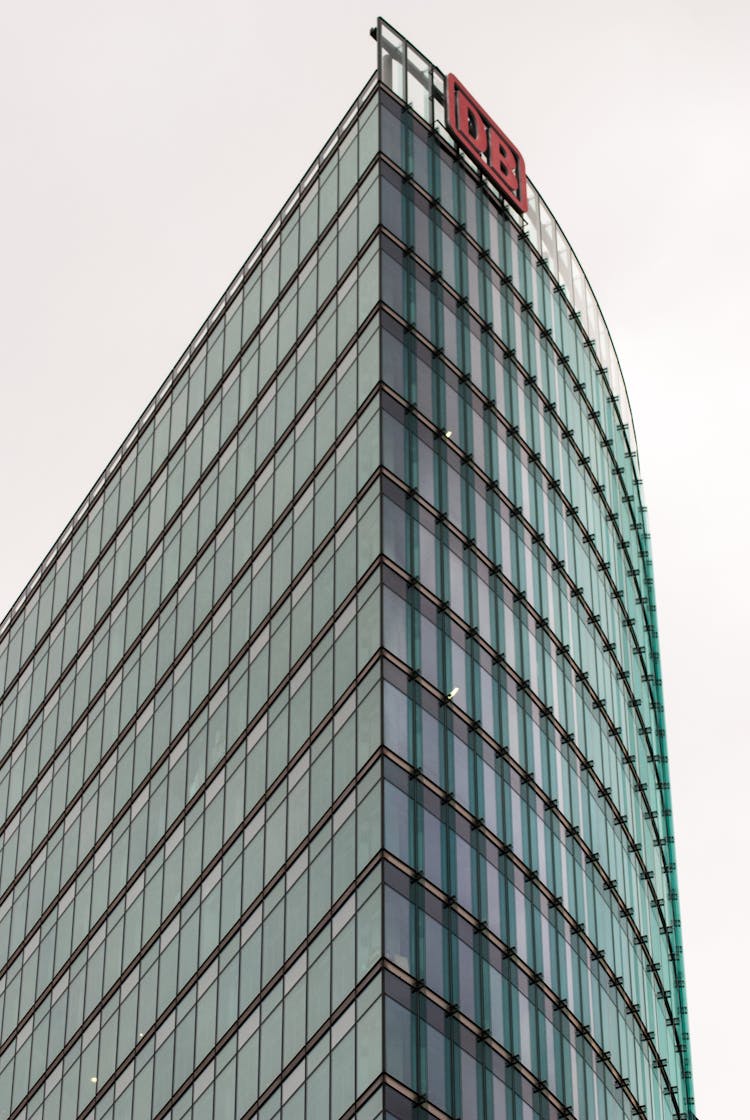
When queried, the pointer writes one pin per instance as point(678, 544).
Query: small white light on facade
point(453, 692)
point(449, 433)
point(93, 1080)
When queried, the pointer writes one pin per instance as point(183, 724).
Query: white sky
point(145, 147)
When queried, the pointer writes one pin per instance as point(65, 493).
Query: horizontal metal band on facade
point(312, 251)
point(593, 620)
point(195, 799)
point(530, 382)
point(396, 986)
point(545, 714)
point(248, 1013)
point(417, 987)
point(369, 1101)
point(195, 423)
point(148, 701)
point(203, 628)
point(386, 968)
point(599, 564)
point(531, 875)
point(221, 526)
point(540, 622)
point(617, 906)
point(367, 1097)
point(195, 888)
point(669, 864)
point(255, 906)
point(277, 1084)
point(245, 347)
point(226, 520)
point(532, 536)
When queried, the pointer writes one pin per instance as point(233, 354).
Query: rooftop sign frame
point(486, 143)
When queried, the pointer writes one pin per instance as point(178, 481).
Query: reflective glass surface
point(190, 735)
point(531, 916)
point(333, 775)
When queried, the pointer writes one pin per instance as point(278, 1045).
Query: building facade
point(332, 759)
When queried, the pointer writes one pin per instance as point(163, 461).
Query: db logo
point(487, 144)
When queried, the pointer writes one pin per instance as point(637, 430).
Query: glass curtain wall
point(531, 921)
point(332, 765)
point(190, 906)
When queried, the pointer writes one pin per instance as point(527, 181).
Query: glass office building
point(333, 774)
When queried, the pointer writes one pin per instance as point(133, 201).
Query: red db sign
point(487, 144)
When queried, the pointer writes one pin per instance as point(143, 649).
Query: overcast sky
point(145, 147)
